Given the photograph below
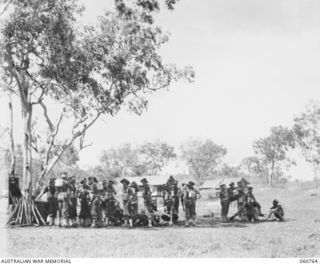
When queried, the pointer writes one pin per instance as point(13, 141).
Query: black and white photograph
point(159, 129)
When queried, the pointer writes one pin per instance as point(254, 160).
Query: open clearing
point(299, 236)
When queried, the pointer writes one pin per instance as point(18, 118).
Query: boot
point(193, 223)
point(126, 223)
point(49, 220)
point(130, 223)
point(107, 221)
point(94, 223)
point(187, 223)
point(60, 225)
point(171, 217)
point(67, 222)
point(87, 222)
point(149, 223)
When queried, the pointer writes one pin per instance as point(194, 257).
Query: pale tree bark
point(12, 148)
point(270, 180)
point(51, 163)
point(27, 151)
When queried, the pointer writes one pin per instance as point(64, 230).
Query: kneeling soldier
point(250, 199)
point(277, 211)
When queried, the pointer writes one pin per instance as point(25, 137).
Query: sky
point(256, 64)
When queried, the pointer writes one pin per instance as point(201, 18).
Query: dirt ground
point(298, 236)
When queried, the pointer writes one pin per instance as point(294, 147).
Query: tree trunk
point(12, 150)
point(270, 181)
point(27, 157)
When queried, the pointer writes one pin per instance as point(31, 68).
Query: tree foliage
point(273, 149)
point(307, 132)
point(88, 71)
point(155, 155)
point(203, 158)
point(146, 159)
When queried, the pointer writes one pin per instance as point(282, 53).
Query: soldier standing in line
point(147, 199)
point(108, 200)
point(61, 185)
point(72, 190)
point(85, 211)
point(225, 202)
point(133, 208)
point(95, 203)
point(183, 190)
point(191, 194)
point(231, 192)
point(175, 197)
point(52, 200)
point(127, 197)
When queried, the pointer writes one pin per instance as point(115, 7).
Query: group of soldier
point(99, 206)
point(248, 208)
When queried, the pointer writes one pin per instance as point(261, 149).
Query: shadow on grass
point(202, 222)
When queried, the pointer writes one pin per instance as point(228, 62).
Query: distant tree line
point(204, 158)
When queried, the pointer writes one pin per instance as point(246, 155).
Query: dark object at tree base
point(43, 209)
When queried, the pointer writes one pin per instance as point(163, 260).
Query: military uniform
point(147, 199)
point(96, 211)
point(277, 211)
point(52, 201)
point(108, 201)
point(190, 198)
point(231, 192)
point(128, 199)
point(175, 201)
point(85, 209)
point(241, 203)
point(251, 201)
point(73, 202)
point(225, 202)
point(63, 200)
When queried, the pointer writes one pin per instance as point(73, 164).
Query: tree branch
point(48, 120)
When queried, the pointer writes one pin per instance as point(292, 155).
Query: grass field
point(298, 236)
